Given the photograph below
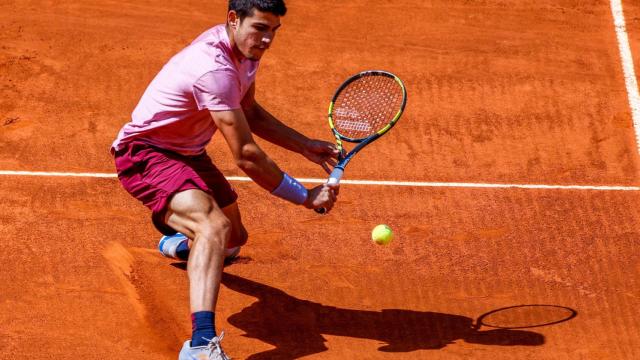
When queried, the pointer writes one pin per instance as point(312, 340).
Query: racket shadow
point(296, 327)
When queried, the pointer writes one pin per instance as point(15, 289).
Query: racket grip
point(334, 178)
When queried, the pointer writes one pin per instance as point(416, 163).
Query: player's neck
point(234, 48)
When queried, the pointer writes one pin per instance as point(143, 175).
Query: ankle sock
point(203, 327)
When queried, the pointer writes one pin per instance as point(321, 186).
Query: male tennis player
point(161, 160)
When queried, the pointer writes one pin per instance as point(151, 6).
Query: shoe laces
point(216, 349)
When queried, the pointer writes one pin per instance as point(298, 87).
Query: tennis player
point(161, 160)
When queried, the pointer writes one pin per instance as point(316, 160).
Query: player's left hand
point(322, 153)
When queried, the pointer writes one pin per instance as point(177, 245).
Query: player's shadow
point(296, 327)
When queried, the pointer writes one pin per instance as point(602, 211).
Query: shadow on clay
point(296, 327)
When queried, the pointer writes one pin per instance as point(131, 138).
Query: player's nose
point(267, 38)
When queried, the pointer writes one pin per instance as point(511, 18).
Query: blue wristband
point(290, 189)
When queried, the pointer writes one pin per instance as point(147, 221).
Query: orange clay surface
point(523, 92)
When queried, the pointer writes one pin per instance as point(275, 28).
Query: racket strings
point(366, 106)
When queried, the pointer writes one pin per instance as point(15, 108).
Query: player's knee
point(217, 229)
point(243, 236)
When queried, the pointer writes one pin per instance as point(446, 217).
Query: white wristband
point(290, 189)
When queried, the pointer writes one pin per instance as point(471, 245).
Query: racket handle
point(334, 178)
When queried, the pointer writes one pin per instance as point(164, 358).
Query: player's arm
point(251, 159)
point(247, 154)
point(268, 127)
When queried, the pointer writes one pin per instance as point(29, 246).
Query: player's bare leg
point(239, 234)
point(196, 214)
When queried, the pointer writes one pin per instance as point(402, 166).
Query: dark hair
point(245, 8)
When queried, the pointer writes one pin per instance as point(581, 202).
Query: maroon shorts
point(154, 175)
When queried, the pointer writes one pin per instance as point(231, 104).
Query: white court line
point(627, 65)
point(56, 174)
point(362, 182)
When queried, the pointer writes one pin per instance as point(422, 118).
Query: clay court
point(519, 198)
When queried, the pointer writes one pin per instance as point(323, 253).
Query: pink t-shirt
point(173, 113)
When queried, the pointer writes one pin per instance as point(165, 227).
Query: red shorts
point(154, 175)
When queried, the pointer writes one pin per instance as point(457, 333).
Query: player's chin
point(256, 54)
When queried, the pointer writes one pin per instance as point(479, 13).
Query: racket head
point(366, 106)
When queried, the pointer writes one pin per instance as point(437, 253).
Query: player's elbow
point(249, 156)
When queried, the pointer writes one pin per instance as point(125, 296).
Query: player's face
point(254, 34)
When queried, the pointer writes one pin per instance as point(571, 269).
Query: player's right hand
point(322, 196)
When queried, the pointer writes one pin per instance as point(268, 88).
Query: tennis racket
point(365, 107)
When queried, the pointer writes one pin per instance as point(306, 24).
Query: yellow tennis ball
point(382, 234)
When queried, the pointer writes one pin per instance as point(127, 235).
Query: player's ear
point(233, 19)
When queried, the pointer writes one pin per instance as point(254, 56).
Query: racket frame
point(343, 159)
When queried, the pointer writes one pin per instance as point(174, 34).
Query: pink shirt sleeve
point(217, 90)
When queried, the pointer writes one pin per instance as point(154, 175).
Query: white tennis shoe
point(212, 351)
